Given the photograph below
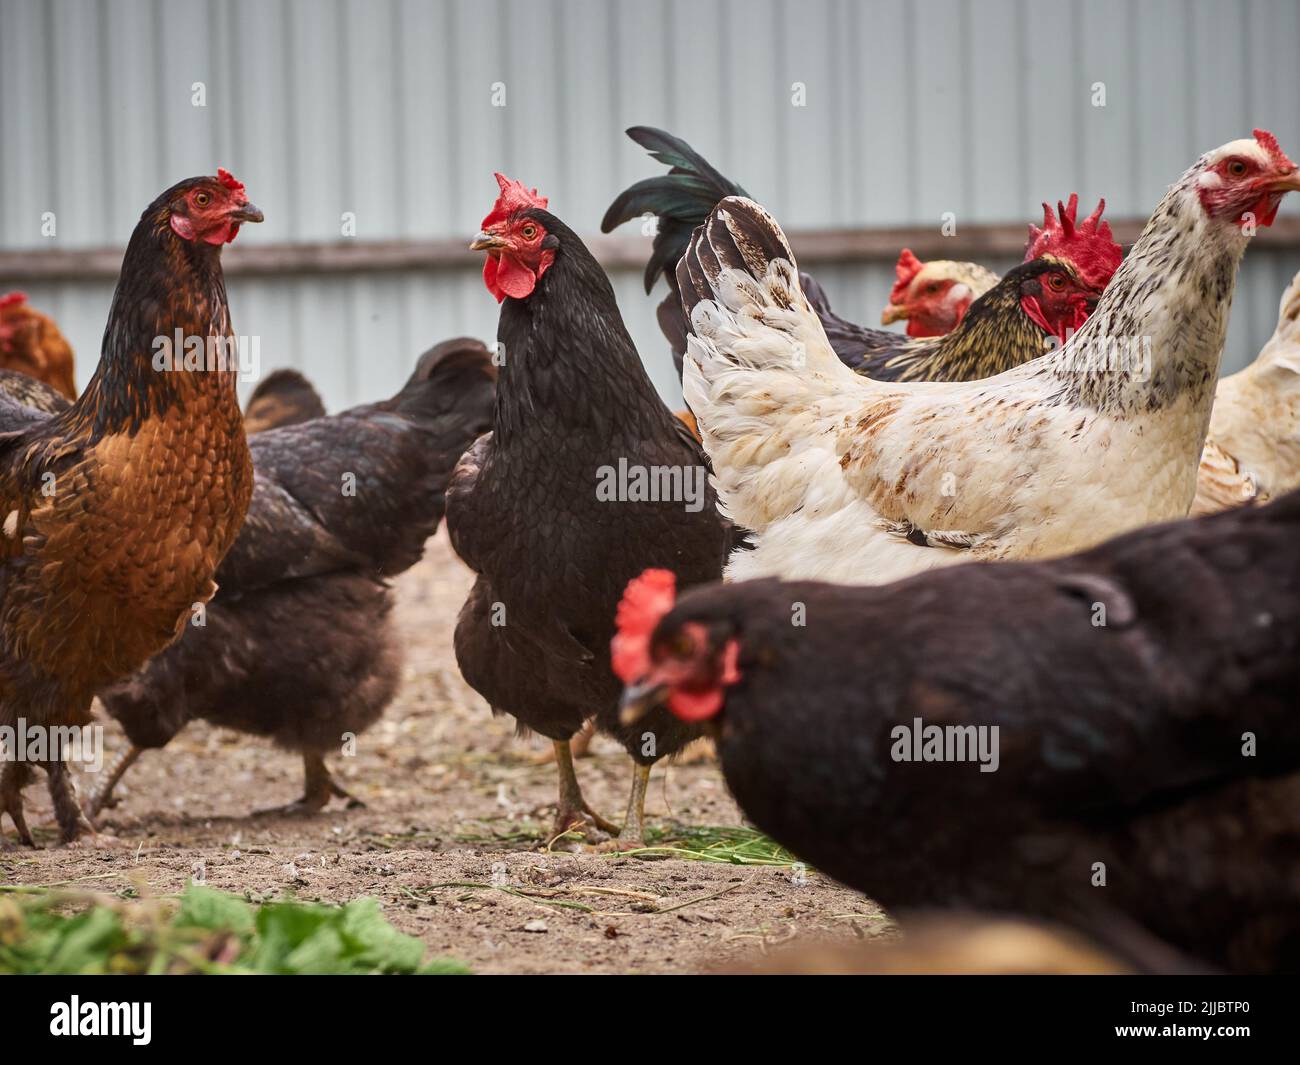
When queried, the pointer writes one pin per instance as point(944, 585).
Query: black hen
point(996, 334)
point(1146, 786)
point(296, 645)
point(533, 511)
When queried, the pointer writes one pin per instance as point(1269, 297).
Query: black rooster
point(1145, 781)
point(1009, 325)
point(297, 645)
point(527, 512)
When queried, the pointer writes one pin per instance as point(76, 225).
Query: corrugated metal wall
point(385, 108)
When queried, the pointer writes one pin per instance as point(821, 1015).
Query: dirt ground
point(454, 804)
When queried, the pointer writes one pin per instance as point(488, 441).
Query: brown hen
point(117, 510)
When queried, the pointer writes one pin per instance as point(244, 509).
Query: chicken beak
point(486, 241)
point(1287, 183)
point(894, 312)
point(246, 212)
point(639, 699)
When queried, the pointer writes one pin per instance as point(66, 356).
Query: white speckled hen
point(844, 478)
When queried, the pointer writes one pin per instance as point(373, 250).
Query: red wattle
point(1032, 308)
point(695, 706)
point(918, 328)
point(1265, 209)
point(514, 278)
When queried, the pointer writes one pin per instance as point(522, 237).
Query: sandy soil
point(452, 798)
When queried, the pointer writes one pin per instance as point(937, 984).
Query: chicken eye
point(932, 288)
point(529, 231)
point(1237, 168)
point(1055, 282)
point(682, 645)
point(202, 199)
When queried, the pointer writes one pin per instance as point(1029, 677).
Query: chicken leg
point(67, 808)
point(103, 794)
point(319, 787)
point(573, 811)
point(633, 835)
point(13, 778)
point(634, 823)
point(579, 745)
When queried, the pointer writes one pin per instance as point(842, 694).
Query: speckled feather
point(994, 336)
point(1253, 453)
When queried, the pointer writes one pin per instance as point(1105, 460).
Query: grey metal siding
point(384, 108)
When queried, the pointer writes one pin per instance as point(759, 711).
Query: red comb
point(229, 180)
point(515, 196)
point(12, 299)
point(646, 599)
point(1269, 143)
point(1088, 246)
point(905, 270)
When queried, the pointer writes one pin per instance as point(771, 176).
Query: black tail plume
point(681, 199)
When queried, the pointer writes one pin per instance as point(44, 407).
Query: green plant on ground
point(202, 931)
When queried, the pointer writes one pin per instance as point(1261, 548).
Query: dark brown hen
point(1145, 783)
point(527, 510)
point(118, 509)
point(283, 397)
point(297, 644)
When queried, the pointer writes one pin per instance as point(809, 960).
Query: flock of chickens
point(176, 558)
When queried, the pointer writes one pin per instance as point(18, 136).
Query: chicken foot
point(318, 789)
point(13, 778)
point(102, 795)
point(574, 811)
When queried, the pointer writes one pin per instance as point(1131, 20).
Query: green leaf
point(202, 907)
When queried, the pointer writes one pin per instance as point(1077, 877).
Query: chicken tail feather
point(680, 200)
point(739, 284)
point(760, 376)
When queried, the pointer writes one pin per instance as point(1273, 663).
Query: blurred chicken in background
point(31, 343)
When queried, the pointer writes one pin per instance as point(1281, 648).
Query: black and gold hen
point(116, 510)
